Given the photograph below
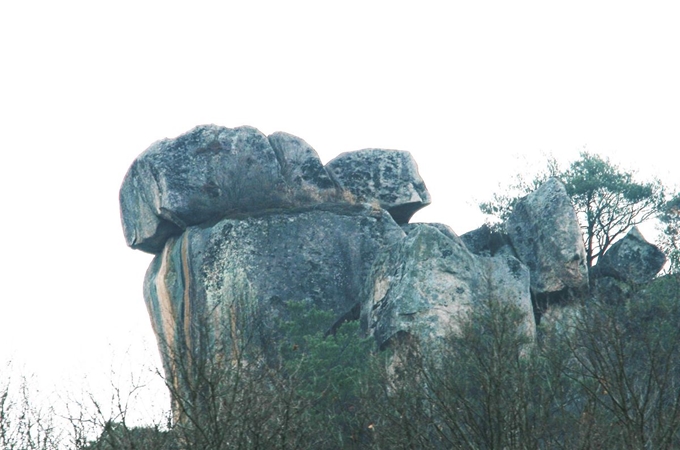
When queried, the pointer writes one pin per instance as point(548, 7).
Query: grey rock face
point(631, 259)
point(389, 177)
point(203, 175)
point(321, 257)
point(426, 284)
point(546, 236)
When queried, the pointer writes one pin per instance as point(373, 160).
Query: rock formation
point(626, 265)
point(427, 283)
point(242, 224)
point(320, 256)
point(545, 234)
point(632, 260)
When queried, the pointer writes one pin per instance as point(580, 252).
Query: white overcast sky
point(475, 90)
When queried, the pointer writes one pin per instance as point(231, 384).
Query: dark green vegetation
point(601, 376)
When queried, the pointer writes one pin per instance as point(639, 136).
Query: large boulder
point(388, 177)
point(632, 260)
point(206, 174)
point(426, 284)
point(546, 236)
point(254, 267)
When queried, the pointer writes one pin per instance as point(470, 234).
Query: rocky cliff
point(243, 224)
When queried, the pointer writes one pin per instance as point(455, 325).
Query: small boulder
point(546, 236)
point(631, 259)
point(389, 177)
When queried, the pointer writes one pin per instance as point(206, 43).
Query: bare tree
point(26, 423)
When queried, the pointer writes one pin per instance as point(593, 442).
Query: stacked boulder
point(243, 222)
point(544, 234)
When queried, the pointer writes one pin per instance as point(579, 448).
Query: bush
point(604, 376)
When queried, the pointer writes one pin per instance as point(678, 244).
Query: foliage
point(606, 198)
point(502, 203)
point(484, 379)
point(599, 375)
point(257, 396)
point(669, 240)
point(608, 201)
point(25, 424)
point(603, 376)
point(331, 373)
point(625, 359)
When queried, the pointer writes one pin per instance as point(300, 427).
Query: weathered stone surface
point(546, 236)
point(485, 241)
point(143, 225)
point(561, 319)
point(302, 168)
point(427, 283)
point(206, 174)
point(389, 177)
point(509, 280)
point(611, 290)
point(444, 229)
point(631, 259)
point(258, 264)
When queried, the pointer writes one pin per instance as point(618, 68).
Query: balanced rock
point(388, 177)
point(206, 174)
point(632, 260)
point(246, 228)
point(426, 284)
point(546, 236)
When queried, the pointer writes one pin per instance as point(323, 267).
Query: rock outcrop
point(428, 283)
point(240, 274)
point(632, 260)
point(545, 235)
point(242, 225)
point(318, 256)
